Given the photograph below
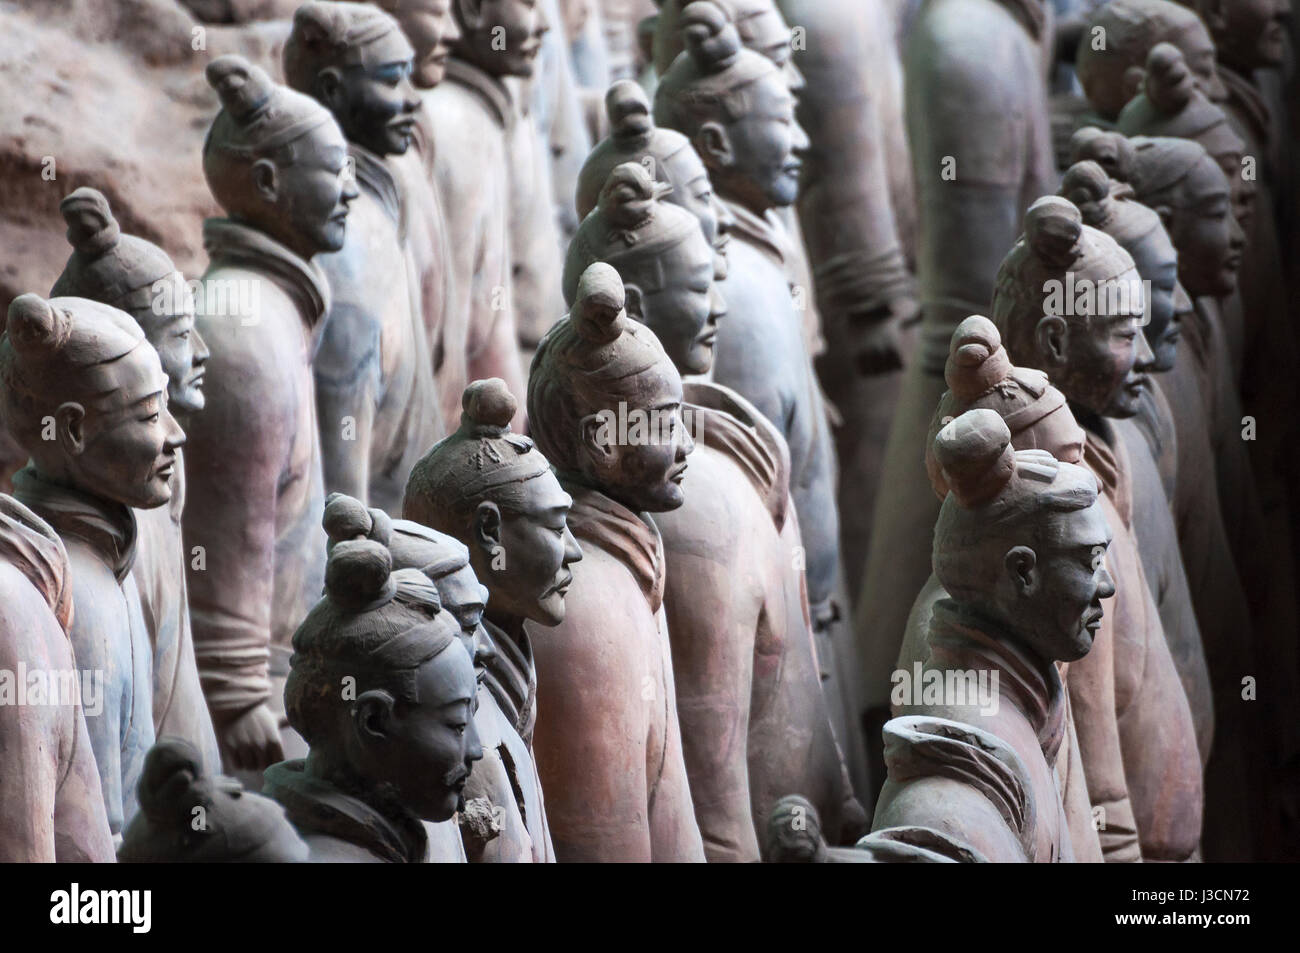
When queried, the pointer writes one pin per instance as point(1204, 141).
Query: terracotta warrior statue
point(737, 109)
point(138, 277)
point(977, 123)
point(472, 117)
point(1138, 230)
point(980, 376)
point(383, 691)
point(86, 396)
point(1020, 548)
point(747, 664)
point(190, 816)
point(274, 160)
point(604, 401)
point(1116, 41)
point(495, 493)
point(1127, 690)
point(505, 816)
point(377, 408)
point(51, 803)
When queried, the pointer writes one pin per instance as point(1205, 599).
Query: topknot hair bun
point(1053, 227)
point(347, 518)
point(628, 109)
point(975, 453)
point(357, 575)
point(976, 359)
point(1085, 182)
point(242, 87)
point(489, 404)
point(92, 229)
point(34, 325)
point(169, 783)
point(628, 196)
point(599, 303)
point(1111, 150)
point(711, 39)
point(1169, 85)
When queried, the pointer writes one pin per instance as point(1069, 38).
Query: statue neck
point(107, 526)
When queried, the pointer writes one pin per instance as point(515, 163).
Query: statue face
point(308, 198)
point(1157, 263)
point(526, 555)
point(767, 33)
point(429, 747)
point(1106, 360)
point(1198, 51)
point(1251, 34)
point(507, 37)
point(465, 599)
point(684, 311)
point(1057, 585)
point(375, 105)
point(1210, 243)
point(1163, 340)
point(180, 347)
point(127, 455)
point(431, 29)
point(635, 450)
point(693, 192)
point(761, 169)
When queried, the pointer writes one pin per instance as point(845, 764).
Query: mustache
point(456, 775)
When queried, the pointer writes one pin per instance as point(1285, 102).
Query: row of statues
point(743, 455)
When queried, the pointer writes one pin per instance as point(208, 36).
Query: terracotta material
point(737, 110)
point(390, 753)
point(254, 464)
point(1089, 354)
point(377, 408)
point(612, 752)
point(746, 665)
point(83, 373)
point(1017, 605)
point(975, 95)
point(190, 816)
point(138, 277)
point(51, 803)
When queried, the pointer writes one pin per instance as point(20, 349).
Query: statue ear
point(633, 302)
point(600, 439)
point(266, 179)
point(1132, 82)
point(328, 88)
point(69, 428)
point(714, 145)
point(372, 714)
point(1052, 336)
point(486, 531)
point(1022, 568)
point(1166, 216)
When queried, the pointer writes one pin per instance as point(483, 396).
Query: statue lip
point(679, 474)
point(561, 587)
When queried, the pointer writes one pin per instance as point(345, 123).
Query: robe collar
point(766, 232)
point(1249, 103)
point(959, 641)
point(378, 181)
point(106, 526)
point(1032, 15)
point(315, 806)
point(1105, 456)
point(512, 679)
point(32, 547)
point(494, 94)
point(629, 536)
point(229, 241)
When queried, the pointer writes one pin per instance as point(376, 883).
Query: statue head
point(354, 59)
point(1021, 538)
point(666, 154)
point(1069, 301)
point(403, 733)
point(189, 816)
point(604, 400)
point(493, 490)
point(1171, 106)
point(135, 276)
point(737, 110)
point(1183, 184)
point(275, 159)
point(1114, 45)
point(1111, 207)
point(759, 23)
point(1249, 34)
point(85, 395)
point(980, 375)
point(663, 259)
point(500, 37)
point(432, 30)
